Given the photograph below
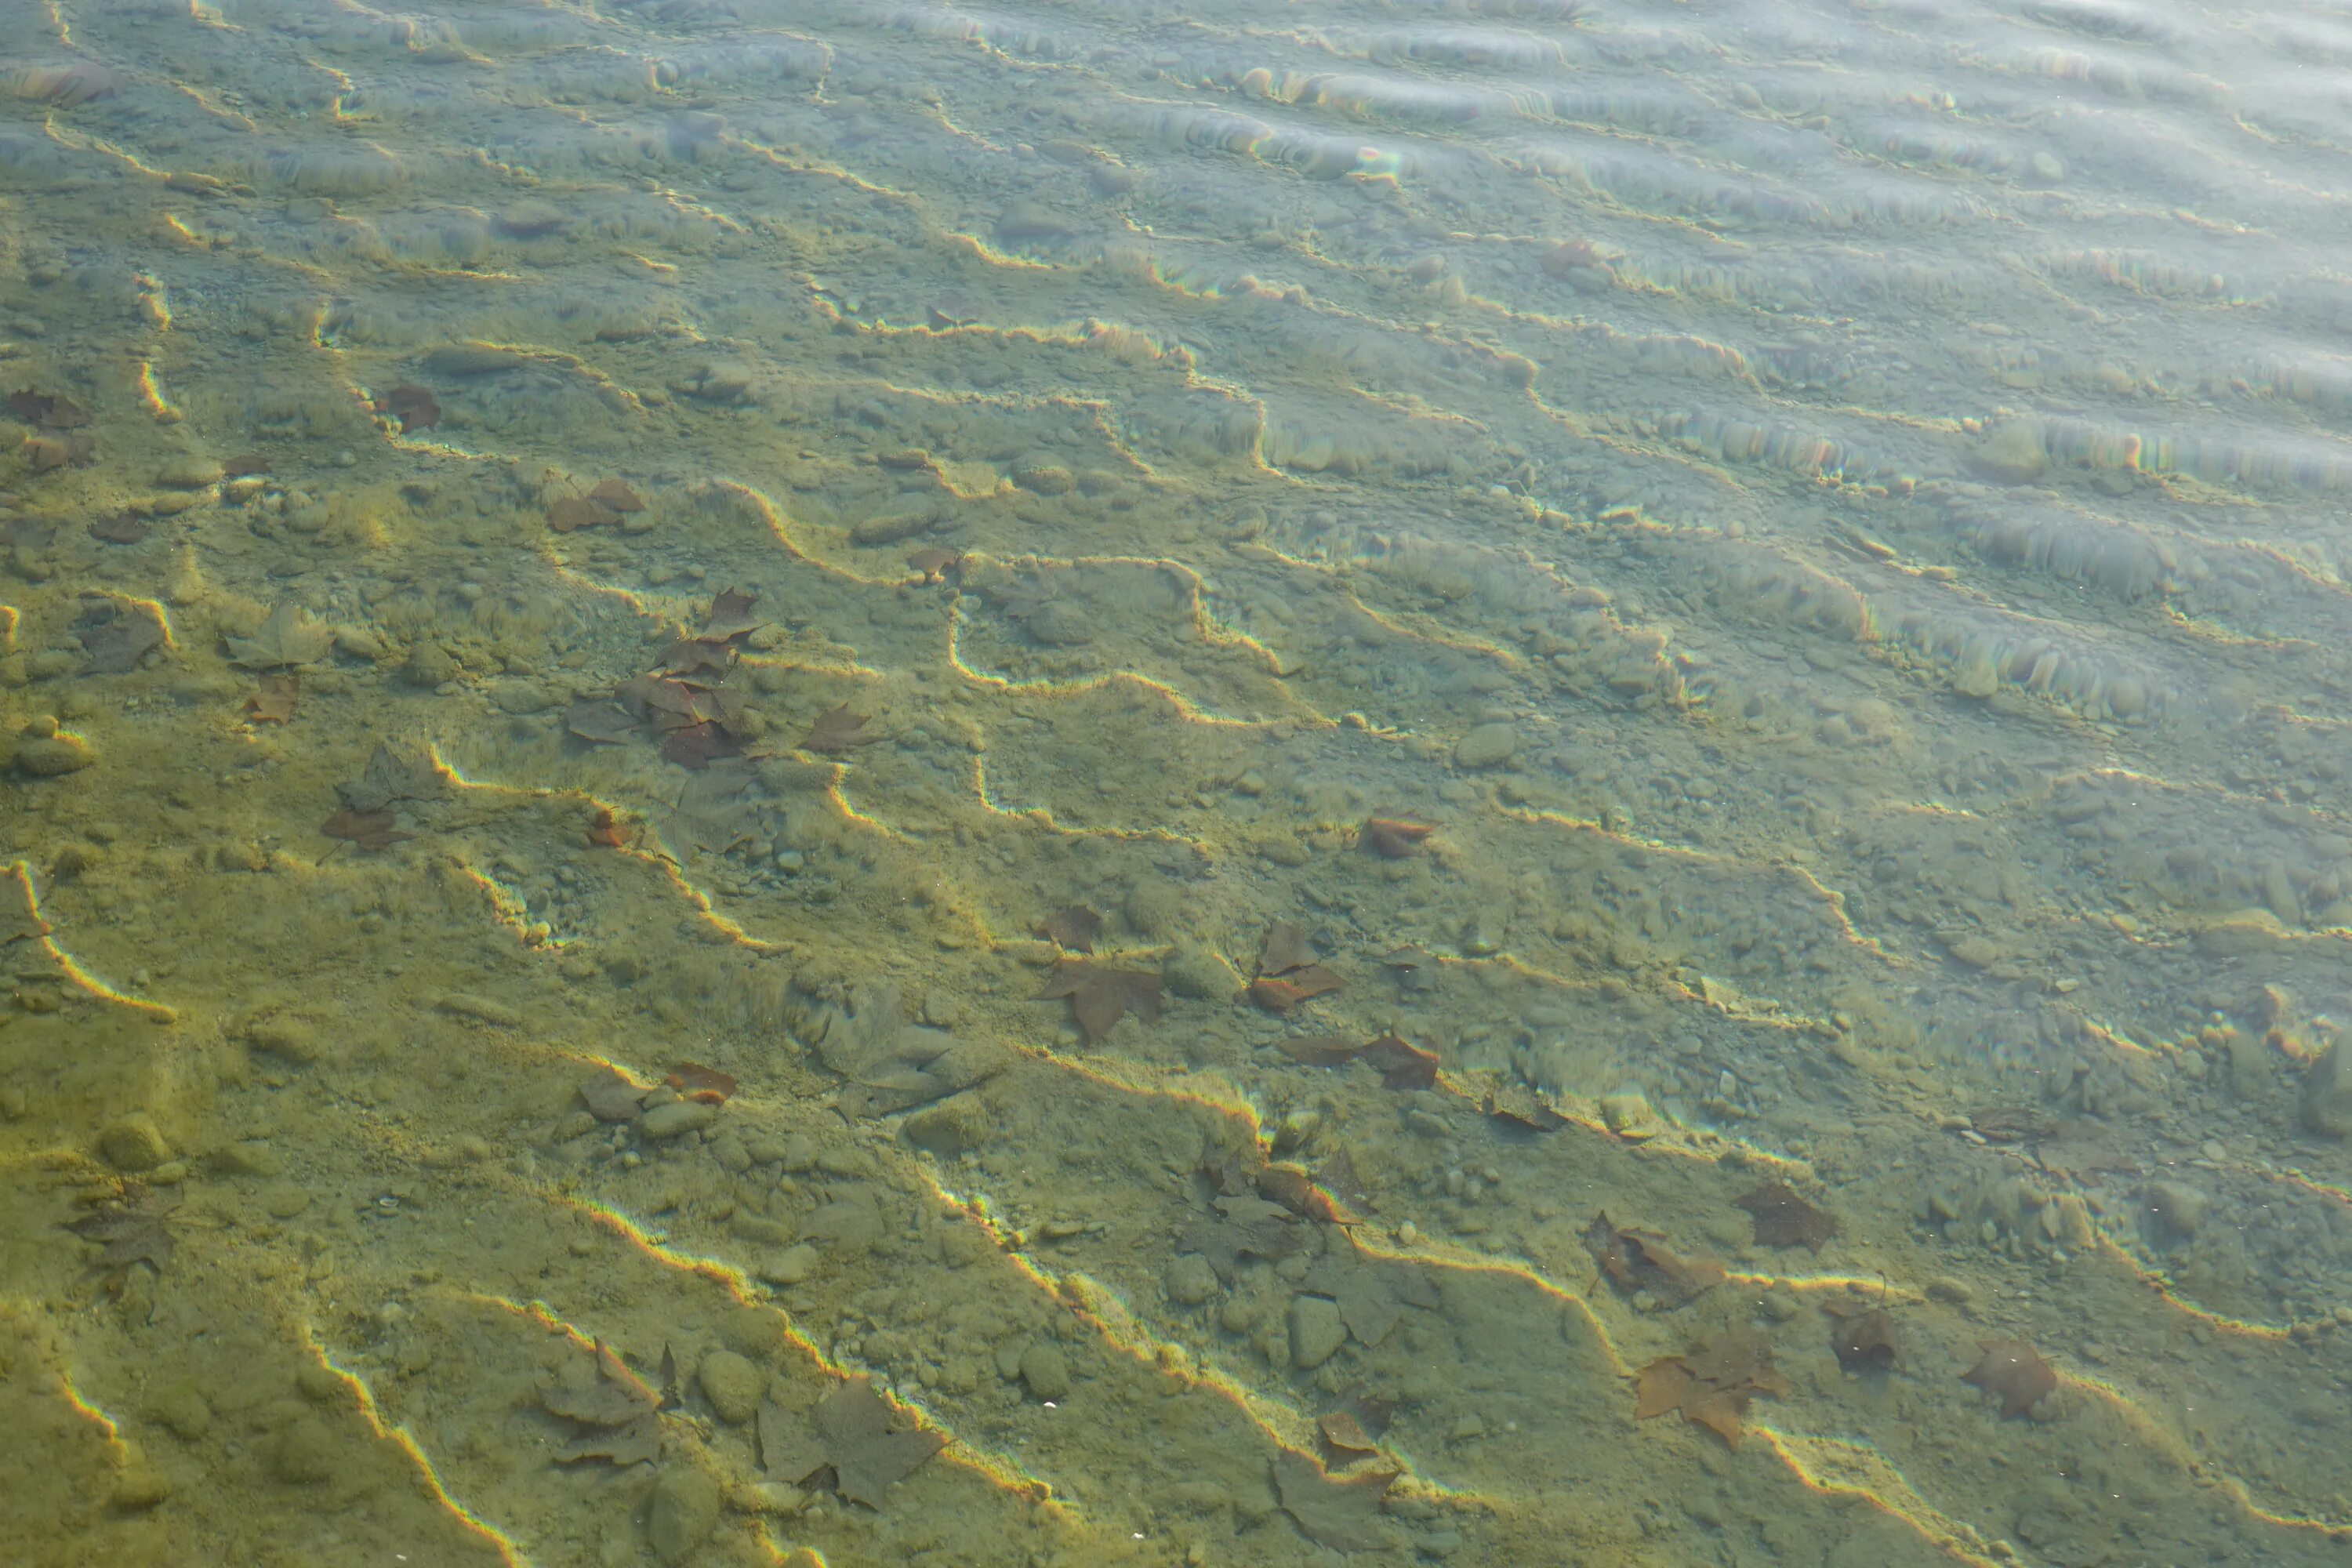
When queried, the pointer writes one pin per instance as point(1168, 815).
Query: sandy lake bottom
point(1502, 783)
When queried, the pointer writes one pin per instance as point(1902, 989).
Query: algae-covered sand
point(795, 783)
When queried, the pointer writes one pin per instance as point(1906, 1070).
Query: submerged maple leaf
point(695, 1081)
point(289, 637)
point(1403, 1064)
point(1100, 996)
point(616, 495)
point(1711, 1383)
point(1784, 1219)
point(838, 730)
point(132, 1227)
point(1074, 928)
point(1395, 838)
point(116, 634)
point(1248, 1228)
point(1343, 1512)
point(275, 700)
point(1371, 1293)
point(731, 618)
point(575, 512)
point(849, 1433)
point(2015, 1371)
point(615, 1415)
point(1863, 1338)
point(370, 830)
point(47, 410)
point(1638, 1260)
point(411, 407)
point(125, 527)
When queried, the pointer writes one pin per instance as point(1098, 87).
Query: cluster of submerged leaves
point(689, 701)
point(1713, 1381)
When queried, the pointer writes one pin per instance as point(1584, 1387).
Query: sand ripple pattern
point(1832, 513)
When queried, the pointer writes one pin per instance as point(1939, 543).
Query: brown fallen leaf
point(133, 1226)
point(2016, 1372)
point(838, 732)
point(935, 561)
point(1100, 995)
point(410, 406)
point(44, 453)
point(600, 720)
point(852, 1434)
point(1395, 838)
point(1354, 1428)
point(1343, 1512)
point(1711, 1383)
point(20, 913)
point(1371, 1293)
point(47, 410)
point(1863, 1338)
point(1320, 1050)
point(116, 634)
point(392, 776)
point(1639, 1260)
point(1519, 1105)
point(615, 1415)
point(289, 637)
point(698, 745)
point(1285, 948)
point(731, 618)
point(1782, 1218)
point(1280, 993)
point(610, 1096)
point(575, 512)
point(369, 830)
point(1341, 1430)
point(615, 495)
point(1246, 1228)
point(692, 658)
point(695, 1081)
point(1346, 1193)
point(1402, 1063)
point(275, 702)
point(125, 527)
point(633, 1442)
point(1074, 928)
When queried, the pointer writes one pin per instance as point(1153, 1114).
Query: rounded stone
point(792, 1266)
point(2012, 454)
point(733, 1385)
point(1047, 1371)
point(1043, 475)
point(189, 474)
point(133, 1144)
point(1486, 746)
point(685, 1512)
point(2328, 1093)
point(1190, 1280)
point(1317, 1330)
point(1196, 971)
point(757, 1332)
point(677, 1116)
point(2178, 1207)
point(303, 1454)
point(53, 756)
point(1057, 624)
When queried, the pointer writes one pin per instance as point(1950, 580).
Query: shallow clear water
point(1510, 783)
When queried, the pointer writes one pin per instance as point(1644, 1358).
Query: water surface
point(1327, 772)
